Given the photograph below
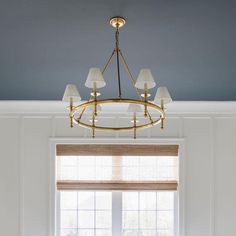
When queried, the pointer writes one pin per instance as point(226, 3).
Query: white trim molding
point(60, 108)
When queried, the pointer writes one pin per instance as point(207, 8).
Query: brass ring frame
point(85, 105)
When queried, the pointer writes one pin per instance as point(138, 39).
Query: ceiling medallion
point(136, 107)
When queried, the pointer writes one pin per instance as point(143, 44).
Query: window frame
point(179, 195)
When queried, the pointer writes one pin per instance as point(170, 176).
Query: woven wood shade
point(116, 150)
point(116, 153)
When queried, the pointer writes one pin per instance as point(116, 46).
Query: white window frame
point(179, 211)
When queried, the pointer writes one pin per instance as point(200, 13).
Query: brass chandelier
point(95, 81)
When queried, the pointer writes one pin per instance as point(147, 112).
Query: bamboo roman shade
point(117, 167)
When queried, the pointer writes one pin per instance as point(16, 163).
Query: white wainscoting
point(207, 128)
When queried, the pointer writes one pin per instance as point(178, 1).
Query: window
point(111, 190)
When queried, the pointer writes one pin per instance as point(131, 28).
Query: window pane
point(130, 173)
point(103, 219)
point(68, 160)
point(147, 200)
point(166, 173)
point(86, 160)
point(142, 214)
point(103, 173)
point(86, 173)
point(103, 200)
point(68, 232)
point(130, 161)
point(164, 219)
point(68, 200)
point(86, 200)
point(102, 232)
point(148, 232)
point(148, 161)
point(68, 173)
point(86, 219)
point(148, 219)
point(103, 161)
point(130, 219)
point(148, 173)
point(130, 200)
point(130, 167)
point(165, 200)
point(163, 233)
point(86, 232)
point(131, 233)
point(68, 219)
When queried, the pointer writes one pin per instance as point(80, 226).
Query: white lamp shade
point(162, 94)
point(134, 108)
point(145, 77)
point(71, 91)
point(95, 76)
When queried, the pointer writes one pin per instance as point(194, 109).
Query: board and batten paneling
point(198, 166)
point(225, 176)
point(36, 175)
point(209, 165)
point(9, 176)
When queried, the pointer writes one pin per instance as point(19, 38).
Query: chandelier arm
point(118, 59)
point(109, 61)
point(103, 71)
point(129, 73)
point(133, 81)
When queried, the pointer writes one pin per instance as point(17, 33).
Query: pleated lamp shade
point(162, 94)
point(95, 76)
point(71, 91)
point(145, 77)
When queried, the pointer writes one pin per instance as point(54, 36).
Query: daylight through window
point(110, 193)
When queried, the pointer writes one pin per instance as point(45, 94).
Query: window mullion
point(116, 213)
point(58, 215)
point(176, 214)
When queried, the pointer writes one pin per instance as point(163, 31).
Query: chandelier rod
point(129, 73)
point(103, 71)
point(133, 80)
point(117, 58)
point(109, 61)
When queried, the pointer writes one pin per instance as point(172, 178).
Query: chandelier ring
point(76, 110)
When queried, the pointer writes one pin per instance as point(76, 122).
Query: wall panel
point(9, 176)
point(198, 166)
point(36, 132)
point(225, 177)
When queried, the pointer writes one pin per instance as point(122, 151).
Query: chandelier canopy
point(95, 81)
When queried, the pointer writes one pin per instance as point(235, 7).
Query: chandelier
point(93, 106)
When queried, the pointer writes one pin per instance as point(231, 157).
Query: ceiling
point(188, 45)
